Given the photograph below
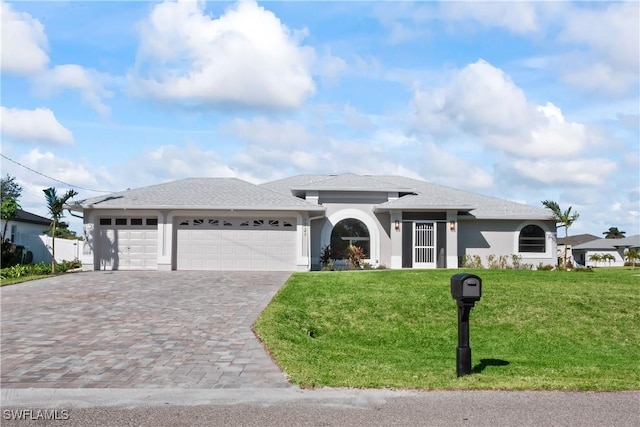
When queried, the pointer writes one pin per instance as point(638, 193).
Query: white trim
point(371, 224)
point(548, 244)
point(419, 265)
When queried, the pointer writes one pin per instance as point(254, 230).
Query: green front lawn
point(398, 329)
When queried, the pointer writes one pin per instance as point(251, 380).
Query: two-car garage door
point(236, 244)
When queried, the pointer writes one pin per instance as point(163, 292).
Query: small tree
point(56, 210)
point(10, 192)
point(564, 218)
point(608, 258)
point(614, 233)
point(355, 255)
point(631, 255)
point(595, 258)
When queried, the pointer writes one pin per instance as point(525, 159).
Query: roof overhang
point(80, 207)
point(388, 208)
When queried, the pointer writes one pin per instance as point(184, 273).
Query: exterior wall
point(582, 256)
point(500, 238)
point(446, 237)
point(166, 236)
point(28, 235)
point(342, 205)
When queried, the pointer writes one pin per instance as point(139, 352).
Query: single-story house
point(572, 241)
point(616, 247)
point(25, 230)
point(230, 224)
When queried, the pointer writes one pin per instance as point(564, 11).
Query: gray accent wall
point(500, 238)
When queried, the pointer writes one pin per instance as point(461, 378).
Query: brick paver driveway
point(138, 329)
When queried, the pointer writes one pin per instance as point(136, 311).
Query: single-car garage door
point(236, 244)
point(128, 244)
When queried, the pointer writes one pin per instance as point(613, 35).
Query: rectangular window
point(258, 222)
point(136, 221)
point(105, 221)
point(213, 222)
point(274, 223)
point(152, 221)
point(185, 222)
point(14, 233)
point(121, 221)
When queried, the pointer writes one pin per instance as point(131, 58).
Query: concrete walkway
point(138, 330)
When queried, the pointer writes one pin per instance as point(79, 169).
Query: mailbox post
point(466, 289)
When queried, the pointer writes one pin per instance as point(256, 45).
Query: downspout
point(309, 239)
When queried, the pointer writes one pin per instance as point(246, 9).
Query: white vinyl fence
point(66, 250)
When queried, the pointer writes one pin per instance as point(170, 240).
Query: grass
point(532, 330)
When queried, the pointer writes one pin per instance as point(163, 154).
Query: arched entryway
point(350, 231)
point(365, 227)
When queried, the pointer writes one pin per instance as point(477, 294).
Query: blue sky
point(518, 100)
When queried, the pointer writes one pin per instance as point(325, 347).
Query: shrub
point(354, 256)
point(327, 256)
point(40, 269)
point(545, 267)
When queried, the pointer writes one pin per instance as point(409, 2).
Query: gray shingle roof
point(610, 244)
point(28, 217)
point(201, 193)
point(351, 182)
point(425, 195)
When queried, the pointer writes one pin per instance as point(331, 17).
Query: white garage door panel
point(236, 248)
point(128, 249)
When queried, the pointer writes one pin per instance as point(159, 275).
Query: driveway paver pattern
point(118, 329)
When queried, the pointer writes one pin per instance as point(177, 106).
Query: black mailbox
point(466, 287)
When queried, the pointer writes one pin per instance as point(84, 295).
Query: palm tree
point(595, 258)
point(565, 219)
point(56, 209)
point(632, 255)
point(614, 233)
point(608, 258)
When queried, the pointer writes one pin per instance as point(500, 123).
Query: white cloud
point(24, 45)
point(245, 57)
point(479, 99)
point(24, 42)
point(590, 172)
point(88, 82)
point(482, 103)
point(260, 131)
point(39, 125)
point(613, 32)
point(449, 169)
point(517, 17)
point(170, 162)
point(605, 42)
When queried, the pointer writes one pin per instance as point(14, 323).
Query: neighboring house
point(229, 224)
point(615, 247)
point(25, 230)
point(572, 241)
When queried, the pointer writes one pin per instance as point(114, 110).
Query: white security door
point(259, 244)
point(424, 245)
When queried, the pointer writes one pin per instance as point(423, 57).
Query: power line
point(54, 179)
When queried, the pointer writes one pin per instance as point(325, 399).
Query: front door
point(424, 245)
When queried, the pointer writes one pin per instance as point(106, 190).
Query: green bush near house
point(540, 330)
point(25, 272)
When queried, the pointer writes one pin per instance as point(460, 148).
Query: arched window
point(532, 239)
point(347, 232)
